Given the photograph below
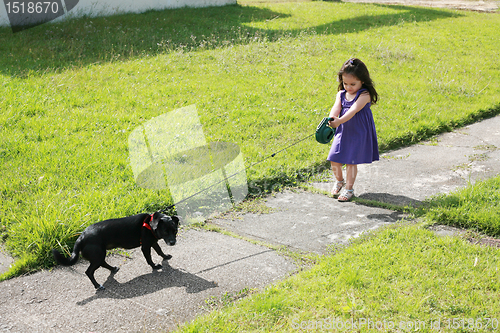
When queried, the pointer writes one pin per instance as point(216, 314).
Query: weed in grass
point(120, 252)
point(252, 205)
point(478, 157)
point(217, 303)
point(398, 157)
point(469, 165)
point(486, 147)
point(433, 141)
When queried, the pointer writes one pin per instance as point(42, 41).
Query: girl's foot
point(346, 195)
point(336, 189)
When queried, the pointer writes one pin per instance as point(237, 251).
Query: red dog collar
point(146, 225)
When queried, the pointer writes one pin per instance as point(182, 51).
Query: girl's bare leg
point(351, 173)
point(337, 171)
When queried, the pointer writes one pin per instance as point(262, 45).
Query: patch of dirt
point(486, 241)
point(471, 236)
point(480, 6)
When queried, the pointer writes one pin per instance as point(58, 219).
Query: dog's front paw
point(157, 266)
point(167, 257)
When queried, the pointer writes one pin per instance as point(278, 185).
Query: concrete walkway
point(204, 267)
point(207, 266)
point(407, 176)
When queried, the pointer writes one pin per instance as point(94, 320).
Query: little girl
point(355, 140)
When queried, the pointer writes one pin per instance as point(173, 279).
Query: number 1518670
point(16, 7)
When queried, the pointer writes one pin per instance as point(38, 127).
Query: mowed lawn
point(261, 76)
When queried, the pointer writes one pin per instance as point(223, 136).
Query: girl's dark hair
point(358, 69)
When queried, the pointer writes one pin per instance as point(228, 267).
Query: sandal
point(346, 195)
point(336, 189)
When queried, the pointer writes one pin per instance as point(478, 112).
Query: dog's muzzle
point(170, 242)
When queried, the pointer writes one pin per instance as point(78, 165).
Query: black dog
point(128, 232)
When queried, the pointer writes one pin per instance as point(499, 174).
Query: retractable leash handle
point(324, 133)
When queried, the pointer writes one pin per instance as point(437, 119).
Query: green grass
point(261, 77)
point(399, 279)
point(474, 207)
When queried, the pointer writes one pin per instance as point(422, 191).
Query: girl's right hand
point(331, 122)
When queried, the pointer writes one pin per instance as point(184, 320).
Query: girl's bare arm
point(362, 100)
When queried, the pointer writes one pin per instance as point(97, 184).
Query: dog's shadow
point(166, 277)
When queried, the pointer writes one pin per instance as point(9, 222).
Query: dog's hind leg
point(90, 273)
point(108, 266)
point(96, 256)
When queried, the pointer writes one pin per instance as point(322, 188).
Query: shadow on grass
point(80, 42)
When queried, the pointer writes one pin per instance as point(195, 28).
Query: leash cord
point(234, 174)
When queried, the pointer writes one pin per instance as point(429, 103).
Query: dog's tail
point(71, 260)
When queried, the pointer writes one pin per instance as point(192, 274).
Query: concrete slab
point(309, 221)
point(205, 265)
point(5, 261)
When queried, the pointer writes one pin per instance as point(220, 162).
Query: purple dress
point(355, 141)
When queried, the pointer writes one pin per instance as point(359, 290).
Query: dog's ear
point(155, 220)
point(175, 219)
